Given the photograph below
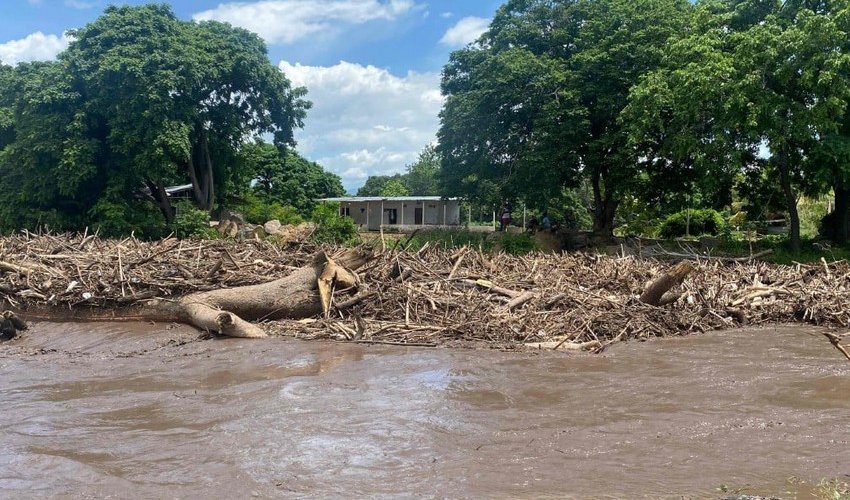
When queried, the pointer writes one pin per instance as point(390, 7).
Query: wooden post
point(444, 213)
point(423, 212)
point(494, 219)
point(382, 215)
point(402, 213)
point(367, 216)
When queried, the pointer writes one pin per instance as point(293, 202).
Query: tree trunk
point(160, 198)
point(193, 178)
point(838, 224)
point(654, 294)
point(229, 311)
point(790, 201)
point(209, 200)
point(604, 209)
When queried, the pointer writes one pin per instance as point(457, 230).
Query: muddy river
point(149, 411)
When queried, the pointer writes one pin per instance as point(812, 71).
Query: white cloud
point(365, 120)
point(80, 4)
point(288, 21)
point(34, 47)
point(465, 31)
point(446, 15)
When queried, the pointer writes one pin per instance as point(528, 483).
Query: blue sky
point(372, 66)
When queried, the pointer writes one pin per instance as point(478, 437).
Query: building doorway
point(417, 216)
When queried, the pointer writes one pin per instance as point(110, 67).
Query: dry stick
point(121, 273)
point(457, 264)
point(520, 300)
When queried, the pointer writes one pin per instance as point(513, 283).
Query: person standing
point(506, 217)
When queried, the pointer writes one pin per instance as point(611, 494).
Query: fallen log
point(229, 311)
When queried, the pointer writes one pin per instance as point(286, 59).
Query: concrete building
point(399, 212)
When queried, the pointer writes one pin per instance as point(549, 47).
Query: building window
point(345, 211)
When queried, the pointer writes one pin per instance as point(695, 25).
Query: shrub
point(517, 244)
point(257, 211)
point(703, 221)
point(191, 222)
point(115, 219)
point(332, 227)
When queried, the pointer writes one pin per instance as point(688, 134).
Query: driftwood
point(654, 294)
point(428, 297)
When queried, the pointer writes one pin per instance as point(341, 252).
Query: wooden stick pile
point(569, 301)
point(434, 296)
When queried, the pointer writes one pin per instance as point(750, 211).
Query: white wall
point(434, 213)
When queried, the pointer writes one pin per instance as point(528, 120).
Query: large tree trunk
point(209, 199)
point(160, 198)
point(838, 224)
point(201, 173)
point(304, 293)
point(790, 201)
point(605, 208)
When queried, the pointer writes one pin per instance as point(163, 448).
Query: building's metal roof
point(172, 190)
point(363, 199)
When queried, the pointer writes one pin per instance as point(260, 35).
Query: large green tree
point(748, 79)
point(141, 99)
point(287, 178)
point(535, 105)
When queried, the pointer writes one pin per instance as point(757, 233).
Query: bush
point(257, 211)
point(332, 227)
point(703, 221)
point(116, 219)
point(517, 244)
point(192, 222)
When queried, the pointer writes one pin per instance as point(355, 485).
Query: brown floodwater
point(128, 411)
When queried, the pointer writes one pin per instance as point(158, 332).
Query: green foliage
point(535, 106)
point(394, 187)
point(116, 218)
point(512, 243)
point(332, 227)
point(420, 179)
point(285, 178)
point(447, 239)
point(192, 222)
point(257, 211)
point(139, 100)
point(702, 221)
point(517, 244)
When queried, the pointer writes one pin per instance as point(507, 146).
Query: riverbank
point(432, 297)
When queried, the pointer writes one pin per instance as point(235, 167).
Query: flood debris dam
point(430, 297)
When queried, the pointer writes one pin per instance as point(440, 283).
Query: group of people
point(544, 224)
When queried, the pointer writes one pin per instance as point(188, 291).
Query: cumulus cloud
point(34, 47)
point(465, 31)
point(288, 21)
point(365, 120)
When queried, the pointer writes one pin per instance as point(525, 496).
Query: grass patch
point(512, 243)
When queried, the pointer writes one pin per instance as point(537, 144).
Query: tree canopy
point(420, 178)
point(286, 178)
point(666, 102)
point(534, 105)
point(138, 101)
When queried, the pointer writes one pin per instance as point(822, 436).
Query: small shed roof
point(354, 199)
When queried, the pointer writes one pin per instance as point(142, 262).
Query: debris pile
point(460, 297)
